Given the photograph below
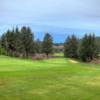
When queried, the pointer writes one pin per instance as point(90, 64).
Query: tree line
point(86, 49)
point(21, 43)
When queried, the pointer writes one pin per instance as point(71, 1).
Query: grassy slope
point(53, 79)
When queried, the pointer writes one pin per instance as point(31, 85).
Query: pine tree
point(88, 49)
point(66, 47)
point(7, 42)
point(3, 43)
point(47, 44)
point(27, 41)
point(38, 46)
point(71, 47)
point(18, 42)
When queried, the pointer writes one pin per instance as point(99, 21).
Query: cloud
point(63, 13)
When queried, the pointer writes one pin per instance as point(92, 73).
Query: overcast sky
point(79, 14)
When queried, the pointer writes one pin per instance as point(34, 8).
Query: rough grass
point(52, 79)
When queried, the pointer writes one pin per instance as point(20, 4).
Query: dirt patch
point(73, 61)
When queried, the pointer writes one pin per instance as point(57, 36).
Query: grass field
point(52, 79)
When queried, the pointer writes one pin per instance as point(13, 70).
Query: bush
point(39, 56)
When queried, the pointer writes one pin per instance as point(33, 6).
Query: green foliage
point(18, 42)
point(38, 46)
point(98, 44)
point(71, 47)
point(27, 40)
point(88, 48)
point(21, 43)
point(47, 46)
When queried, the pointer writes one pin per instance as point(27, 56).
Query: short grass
point(52, 79)
point(59, 55)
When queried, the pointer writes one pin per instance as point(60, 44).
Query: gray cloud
point(63, 13)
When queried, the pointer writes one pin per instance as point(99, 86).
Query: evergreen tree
point(27, 41)
point(88, 48)
point(38, 46)
point(98, 44)
point(66, 47)
point(18, 42)
point(3, 43)
point(71, 47)
point(47, 44)
point(7, 42)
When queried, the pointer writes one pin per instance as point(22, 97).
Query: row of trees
point(86, 48)
point(21, 43)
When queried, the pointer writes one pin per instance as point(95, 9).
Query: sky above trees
point(72, 14)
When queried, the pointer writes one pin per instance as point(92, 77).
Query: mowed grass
point(51, 79)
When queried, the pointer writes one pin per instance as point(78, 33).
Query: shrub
point(39, 56)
